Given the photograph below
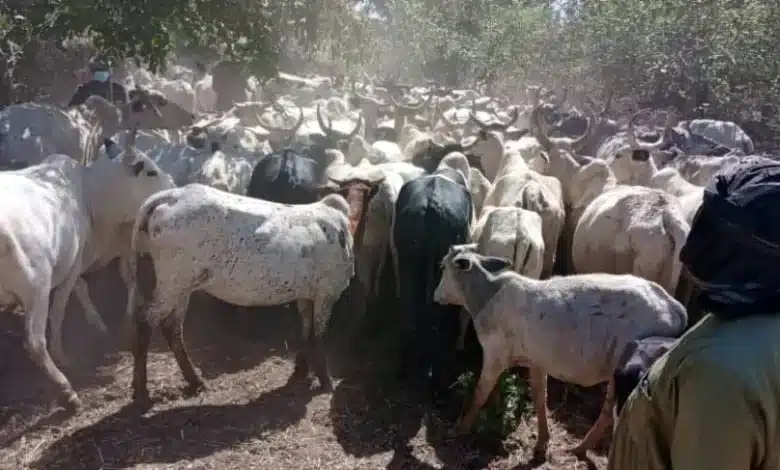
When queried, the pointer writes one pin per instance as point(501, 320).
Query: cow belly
point(270, 280)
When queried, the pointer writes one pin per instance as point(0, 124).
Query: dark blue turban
point(733, 249)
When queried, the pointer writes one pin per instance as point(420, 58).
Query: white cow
point(178, 91)
point(575, 328)
point(29, 132)
point(66, 221)
point(244, 251)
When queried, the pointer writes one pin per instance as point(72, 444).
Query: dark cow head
point(430, 158)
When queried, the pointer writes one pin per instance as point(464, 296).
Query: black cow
point(288, 177)
point(432, 213)
point(641, 355)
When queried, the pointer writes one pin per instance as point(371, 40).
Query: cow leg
point(396, 270)
point(379, 270)
point(59, 300)
point(320, 313)
point(603, 422)
point(140, 340)
point(538, 380)
point(90, 312)
point(168, 312)
point(35, 343)
point(172, 328)
point(492, 367)
point(302, 358)
point(463, 328)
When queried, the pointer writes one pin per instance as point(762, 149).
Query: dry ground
point(249, 417)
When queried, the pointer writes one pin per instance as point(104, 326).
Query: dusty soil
point(250, 417)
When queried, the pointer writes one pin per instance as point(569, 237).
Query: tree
point(148, 30)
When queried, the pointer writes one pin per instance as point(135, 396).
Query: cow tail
point(677, 228)
point(138, 247)
point(520, 268)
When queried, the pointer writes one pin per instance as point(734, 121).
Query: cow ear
point(462, 263)
point(493, 264)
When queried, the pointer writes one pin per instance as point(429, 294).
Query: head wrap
point(733, 249)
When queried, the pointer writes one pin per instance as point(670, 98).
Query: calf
point(57, 220)
point(246, 252)
point(575, 328)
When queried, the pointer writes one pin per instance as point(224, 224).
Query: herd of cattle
point(556, 232)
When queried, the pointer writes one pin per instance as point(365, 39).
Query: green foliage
point(716, 58)
point(500, 417)
point(149, 30)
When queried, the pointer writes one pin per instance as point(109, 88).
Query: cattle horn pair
point(327, 128)
point(495, 126)
point(287, 131)
point(552, 144)
point(634, 141)
point(412, 108)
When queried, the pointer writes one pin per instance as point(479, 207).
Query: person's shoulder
point(742, 350)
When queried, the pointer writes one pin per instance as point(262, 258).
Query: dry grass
point(250, 417)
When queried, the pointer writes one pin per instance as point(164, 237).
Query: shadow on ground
point(183, 433)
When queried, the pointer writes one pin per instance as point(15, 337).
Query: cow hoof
point(71, 402)
point(195, 389)
point(326, 386)
point(578, 451)
point(141, 400)
point(540, 451)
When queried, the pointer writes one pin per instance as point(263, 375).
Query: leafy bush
point(498, 417)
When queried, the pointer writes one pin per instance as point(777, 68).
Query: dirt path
point(249, 417)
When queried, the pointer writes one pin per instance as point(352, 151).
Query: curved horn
point(465, 148)
point(544, 156)
point(578, 143)
point(376, 101)
point(500, 126)
point(538, 130)
point(290, 131)
point(513, 116)
point(634, 142)
point(358, 125)
point(434, 145)
point(448, 122)
point(412, 108)
point(198, 129)
point(326, 128)
point(473, 115)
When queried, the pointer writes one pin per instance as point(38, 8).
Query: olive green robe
point(711, 403)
